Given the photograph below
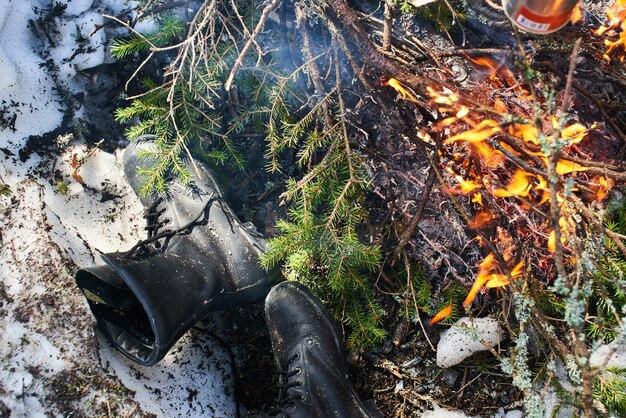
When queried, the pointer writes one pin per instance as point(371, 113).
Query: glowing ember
point(441, 315)
point(500, 106)
point(506, 244)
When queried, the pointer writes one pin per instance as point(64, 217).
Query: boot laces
point(286, 397)
point(153, 223)
point(156, 233)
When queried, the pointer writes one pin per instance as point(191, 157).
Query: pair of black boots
point(198, 257)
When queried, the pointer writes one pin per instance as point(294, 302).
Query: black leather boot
point(310, 354)
point(198, 258)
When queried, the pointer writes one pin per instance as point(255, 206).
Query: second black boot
point(198, 257)
point(311, 357)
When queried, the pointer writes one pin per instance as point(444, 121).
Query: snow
point(554, 407)
point(75, 7)
point(46, 329)
point(26, 84)
point(464, 339)
point(516, 413)
point(617, 360)
point(438, 412)
point(75, 32)
point(153, 385)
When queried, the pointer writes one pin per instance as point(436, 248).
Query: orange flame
point(485, 130)
point(400, 88)
point(563, 226)
point(566, 167)
point(617, 19)
point(543, 186)
point(488, 277)
point(602, 186)
point(497, 280)
point(485, 269)
point(519, 186)
point(481, 218)
point(467, 186)
point(552, 241)
point(526, 132)
point(614, 44)
point(476, 137)
point(491, 157)
point(501, 280)
point(498, 74)
point(485, 62)
point(447, 97)
point(518, 270)
point(441, 315)
point(573, 133)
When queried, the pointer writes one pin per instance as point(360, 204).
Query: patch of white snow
point(609, 356)
point(75, 7)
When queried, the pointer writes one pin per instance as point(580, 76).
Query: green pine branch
point(169, 29)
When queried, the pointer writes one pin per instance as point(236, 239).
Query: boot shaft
point(198, 258)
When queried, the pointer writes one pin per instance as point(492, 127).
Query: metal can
point(539, 16)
